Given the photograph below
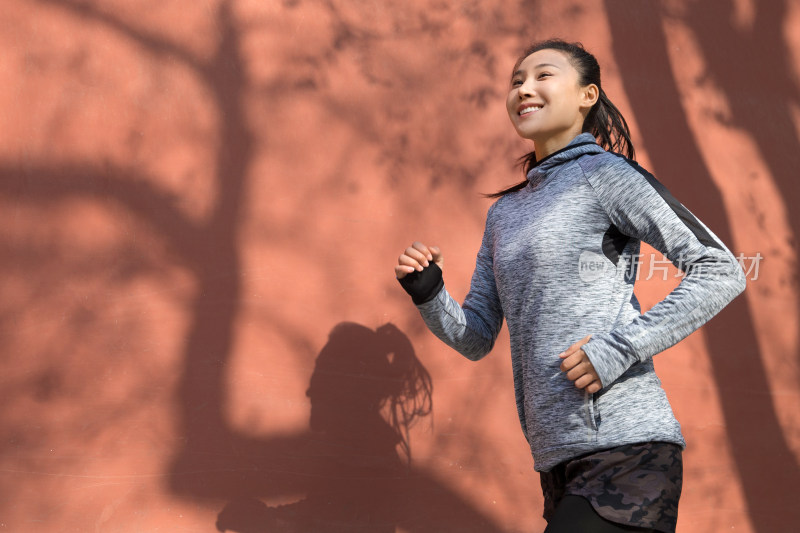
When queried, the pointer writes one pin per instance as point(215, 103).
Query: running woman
point(558, 263)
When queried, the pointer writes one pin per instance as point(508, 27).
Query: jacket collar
point(585, 143)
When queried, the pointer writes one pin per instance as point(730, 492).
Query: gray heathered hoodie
point(558, 261)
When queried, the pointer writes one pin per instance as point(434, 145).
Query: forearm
point(706, 289)
point(461, 327)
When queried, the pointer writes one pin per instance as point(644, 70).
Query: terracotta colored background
point(201, 203)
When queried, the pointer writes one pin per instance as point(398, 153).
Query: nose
point(526, 90)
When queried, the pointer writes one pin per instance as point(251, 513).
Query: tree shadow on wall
point(767, 467)
point(367, 389)
point(347, 465)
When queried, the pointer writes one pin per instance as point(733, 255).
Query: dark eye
point(543, 74)
point(516, 82)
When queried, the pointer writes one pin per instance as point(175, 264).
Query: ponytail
point(607, 124)
point(411, 397)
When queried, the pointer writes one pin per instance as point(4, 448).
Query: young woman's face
point(545, 100)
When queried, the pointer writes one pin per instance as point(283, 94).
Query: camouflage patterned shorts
point(634, 484)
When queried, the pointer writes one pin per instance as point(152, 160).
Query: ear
point(589, 95)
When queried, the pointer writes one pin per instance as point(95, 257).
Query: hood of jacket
point(585, 143)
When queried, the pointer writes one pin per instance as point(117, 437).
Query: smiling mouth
point(528, 110)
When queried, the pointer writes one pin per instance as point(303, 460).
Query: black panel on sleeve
point(683, 213)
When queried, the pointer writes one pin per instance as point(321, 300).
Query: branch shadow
point(767, 468)
point(347, 464)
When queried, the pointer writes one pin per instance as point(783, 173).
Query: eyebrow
point(517, 72)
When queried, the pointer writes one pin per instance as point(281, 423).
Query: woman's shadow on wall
point(351, 471)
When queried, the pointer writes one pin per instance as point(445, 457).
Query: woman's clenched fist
point(416, 257)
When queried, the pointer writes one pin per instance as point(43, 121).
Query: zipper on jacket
point(593, 412)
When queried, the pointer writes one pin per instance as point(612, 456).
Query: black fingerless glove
point(423, 286)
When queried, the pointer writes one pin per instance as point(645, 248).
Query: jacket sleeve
point(471, 328)
point(641, 207)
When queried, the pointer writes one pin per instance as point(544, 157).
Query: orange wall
point(201, 204)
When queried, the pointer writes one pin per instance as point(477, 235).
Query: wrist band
point(423, 286)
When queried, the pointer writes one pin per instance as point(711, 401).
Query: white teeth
point(530, 109)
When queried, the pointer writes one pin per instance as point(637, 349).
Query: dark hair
point(604, 120)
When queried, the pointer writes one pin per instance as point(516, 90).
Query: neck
point(547, 145)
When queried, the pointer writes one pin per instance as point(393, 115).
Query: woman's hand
point(416, 257)
point(578, 367)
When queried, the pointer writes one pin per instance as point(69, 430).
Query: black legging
point(574, 514)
